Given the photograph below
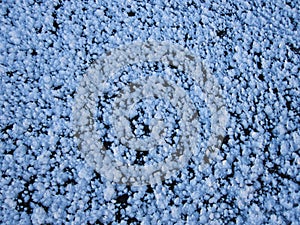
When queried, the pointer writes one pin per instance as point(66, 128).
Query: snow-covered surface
point(252, 50)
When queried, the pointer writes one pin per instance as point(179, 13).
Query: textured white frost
point(95, 82)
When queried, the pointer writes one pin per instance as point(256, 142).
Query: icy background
point(253, 50)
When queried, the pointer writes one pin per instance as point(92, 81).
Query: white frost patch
point(38, 216)
point(151, 87)
point(108, 192)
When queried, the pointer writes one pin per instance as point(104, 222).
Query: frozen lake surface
point(251, 49)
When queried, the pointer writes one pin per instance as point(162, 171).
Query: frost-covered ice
point(123, 116)
point(252, 49)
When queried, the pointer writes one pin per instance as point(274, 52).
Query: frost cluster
point(122, 113)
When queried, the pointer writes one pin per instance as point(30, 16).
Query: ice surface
point(252, 50)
